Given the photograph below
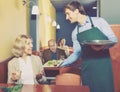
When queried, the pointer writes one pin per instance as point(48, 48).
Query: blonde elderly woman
point(25, 68)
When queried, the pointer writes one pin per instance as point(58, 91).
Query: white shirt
point(26, 71)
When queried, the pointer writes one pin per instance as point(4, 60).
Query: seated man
point(53, 52)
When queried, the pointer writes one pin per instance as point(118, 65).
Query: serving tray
point(99, 42)
point(52, 63)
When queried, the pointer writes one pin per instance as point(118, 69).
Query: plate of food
point(99, 42)
point(52, 63)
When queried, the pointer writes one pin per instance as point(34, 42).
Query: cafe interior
point(44, 20)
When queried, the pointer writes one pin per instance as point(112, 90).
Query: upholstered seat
point(68, 79)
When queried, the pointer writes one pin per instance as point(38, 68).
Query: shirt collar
point(86, 21)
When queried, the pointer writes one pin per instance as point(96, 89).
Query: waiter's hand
point(60, 64)
point(97, 47)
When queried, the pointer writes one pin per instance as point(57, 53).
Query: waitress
point(96, 70)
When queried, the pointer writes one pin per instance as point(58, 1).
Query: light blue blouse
point(98, 22)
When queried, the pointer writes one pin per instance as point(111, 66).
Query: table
point(52, 88)
point(51, 72)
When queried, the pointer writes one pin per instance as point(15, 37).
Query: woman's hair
point(59, 41)
point(19, 45)
point(75, 5)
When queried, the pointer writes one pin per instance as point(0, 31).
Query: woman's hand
point(39, 75)
point(97, 47)
point(16, 76)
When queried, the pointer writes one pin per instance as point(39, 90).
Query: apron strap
point(78, 26)
point(92, 25)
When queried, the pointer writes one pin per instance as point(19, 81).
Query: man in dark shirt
point(53, 53)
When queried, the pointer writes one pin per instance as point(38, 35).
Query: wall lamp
point(33, 3)
point(55, 24)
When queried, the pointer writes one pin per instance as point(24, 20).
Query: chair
point(68, 79)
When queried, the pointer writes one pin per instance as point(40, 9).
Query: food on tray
point(52, 63)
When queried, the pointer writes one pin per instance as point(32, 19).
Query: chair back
point(68, 79)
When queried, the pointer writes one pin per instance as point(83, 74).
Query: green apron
point(96, 67)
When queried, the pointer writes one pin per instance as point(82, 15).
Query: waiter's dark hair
point(75, 5)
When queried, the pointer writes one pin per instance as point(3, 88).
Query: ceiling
point(59, 4)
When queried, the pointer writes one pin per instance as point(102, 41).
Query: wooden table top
point(51, 88)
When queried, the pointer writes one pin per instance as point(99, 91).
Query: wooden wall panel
point(4, 70)
point(115, 54)
point(115, 51)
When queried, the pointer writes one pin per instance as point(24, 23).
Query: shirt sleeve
point(76, 52)
point(106, 29)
